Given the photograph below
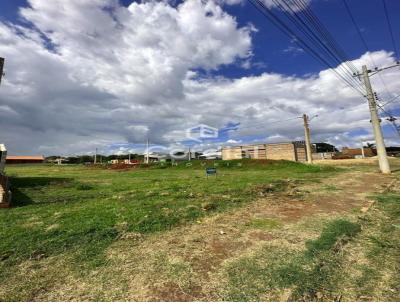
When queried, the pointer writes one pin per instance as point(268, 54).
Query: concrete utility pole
point(380, 143)
point(1, 68)
point(362, 149)
point(308, 139)
point(147, 151)
point(190, 155)
point(95, 157)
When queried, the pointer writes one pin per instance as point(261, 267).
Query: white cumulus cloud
point(86, 74)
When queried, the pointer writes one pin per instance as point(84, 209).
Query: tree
point(325, 147)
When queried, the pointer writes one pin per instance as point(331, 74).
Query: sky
point(109, 74)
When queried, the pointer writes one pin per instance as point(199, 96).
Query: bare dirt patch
point(173, 292)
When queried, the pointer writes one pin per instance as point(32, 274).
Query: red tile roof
point(24, 157)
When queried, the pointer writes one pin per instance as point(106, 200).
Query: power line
point(304, 7)
point(254, 125)
point(305, 29)
point(312, 31)
point(390, 116)
point(390, 28)
point(263, 125)
point(358, 29)
point(394, 99)
point(308, 46)
point(348, 9)
point(327, 38)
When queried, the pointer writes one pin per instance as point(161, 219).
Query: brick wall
point(281, 151)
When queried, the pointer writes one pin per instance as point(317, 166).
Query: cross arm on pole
point(374, 71)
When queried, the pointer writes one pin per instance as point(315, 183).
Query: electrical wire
point(314, 24)
point(390, 28)
point(308, 32)
point(390, 116)
point(394, 99)
point(364, 42)
point(308, 46)
point(263, 125)
point(304, 8)
point(313, 33)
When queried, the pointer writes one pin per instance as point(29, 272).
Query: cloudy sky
point(108, 74)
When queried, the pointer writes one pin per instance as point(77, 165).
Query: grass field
point(81, 210)
point(69, 218)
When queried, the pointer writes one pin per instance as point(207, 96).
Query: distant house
point(24, 159)
point(357, 152)
point(155, 157)
point(294, 151)
point(323, 155)
point(216, 154)
point(393, 151)
point(56, 160)
point(124, 161)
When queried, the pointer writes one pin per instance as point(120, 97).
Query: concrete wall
point(281, 151)
point(294, 151)
point(230, 153)
point(301, 153)
point(254, 151)
point(322, 155)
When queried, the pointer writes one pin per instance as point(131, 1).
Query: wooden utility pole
point(308, 138)
point(376, 124)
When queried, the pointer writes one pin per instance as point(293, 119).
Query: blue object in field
point(211, 171)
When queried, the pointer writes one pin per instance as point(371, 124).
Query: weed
point(263, 223)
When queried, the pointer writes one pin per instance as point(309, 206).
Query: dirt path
point(184, 263)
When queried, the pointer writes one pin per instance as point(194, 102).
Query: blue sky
point(270, 43)
point(232, 80)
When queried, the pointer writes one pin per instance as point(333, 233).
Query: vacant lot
point(260, 231)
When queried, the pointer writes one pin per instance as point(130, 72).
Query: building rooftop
point(25, 157)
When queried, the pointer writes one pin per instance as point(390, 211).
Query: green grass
point(330, 235)
point(381, 251)
point(331, 188)
point(354, 260)
point(306, 273)
point(78, 211)
point(263, 223)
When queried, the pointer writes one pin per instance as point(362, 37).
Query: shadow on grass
point(19, 184)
